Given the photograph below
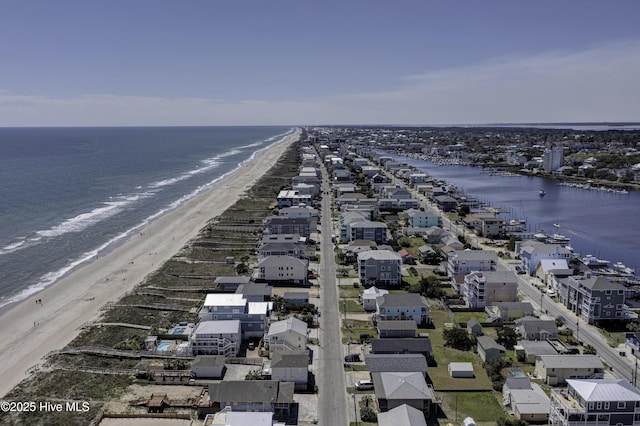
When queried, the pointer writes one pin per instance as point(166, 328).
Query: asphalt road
point(332, 395)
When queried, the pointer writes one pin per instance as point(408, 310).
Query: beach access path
point(31, 329)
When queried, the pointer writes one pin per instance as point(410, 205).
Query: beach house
point(593, 298)
point(379, 267)
point(281, 270)
point(482, 288)
point(253, 316)
point(287, 335)
point(403, 306)
point(220, 337)
point(556, 369)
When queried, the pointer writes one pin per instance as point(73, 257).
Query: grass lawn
point(349, 291)
point(355, 328)
point(442, 381)
point(614, 338)
point(481, 406)
point(463, 317)
point(352, 306)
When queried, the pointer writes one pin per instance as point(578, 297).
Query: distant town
point(348, 288)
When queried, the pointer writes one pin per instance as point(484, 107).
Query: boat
point(623, 269)
point(592, 261)
point(542, 193)
point(556, 225)
point(559, 239)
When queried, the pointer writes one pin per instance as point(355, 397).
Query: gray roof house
point(527, 400)
point(208, 367)
point(393, 363)
point(528, 350)
point(253, 395)
point(474, 327)
point(420, 345)
point(379, 267)
point(291, 366)
point(406, 306)
point(404, 415)
point(531, 328)
point(488, 349)
point(397, 328)
point(394, 389)
point(556, 369)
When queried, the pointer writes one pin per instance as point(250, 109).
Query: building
point(488, 349)
point(379, 267)
point(595, 402)
point(593, 298)
point(556, 369)
point(528, 350)
point(253, 396)
point(527, 400)
point(208, 367)
point(302, 226)
point(393, 363)
point(422, 219)
point(460, 370)
point(487, 287)
point(464, 262)
point(532, 252)
point(230, 283)
point(253, 316)
point(420, 345)
point(369, 298)
point(552, 159)
point(403, 306)
point(509, 311)
point(291, 366)
point(369, 230)
point(289, 197)
point(474, 327)
point(217, 338)
point(289, 334)
point(531, 328)
point(282, 270)
point(404, 415)
point(395, 389)
point(396, 329)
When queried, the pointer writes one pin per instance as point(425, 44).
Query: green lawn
point(349, 291)
point(355, 328)
point(352, 306)
point(481, 406)
point(463, 317)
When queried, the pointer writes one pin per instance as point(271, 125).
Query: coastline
point(33, 329)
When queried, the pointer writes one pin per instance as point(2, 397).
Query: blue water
point(599, 223)
point(164, 346)
point(69, 194)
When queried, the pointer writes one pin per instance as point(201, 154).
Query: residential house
point(299, 211)
point(346, 219)
point(230, 283)
point(464, 262)
point(394, 363)
point(289, 197)
point(529, 350)
point(296, 298)
point(556, 369)
point(287, 335)
point(445, 203)
point(595, 402)
point(379, 267)
point(532, 252)
point(422, 219)
point(253, 396)
point(488, 349)
point(548, 269)
point(255, 292)
point(531, 328)
point(291, 366)
point(208, 367)
point(485, 224)
point(369, 230)
point(427, 255)
point(223, 306)
point(481, 288)
point(369, 296)
point(216, 338)
point(420, 345)
point(302, 226)
point(403, 306)
point(397, 328)
point(394, 389)
point(593, 298)
point(404, 415)
point(527, 400)
point(278, 270)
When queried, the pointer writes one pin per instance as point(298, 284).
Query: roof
point(473, 322)
point(368, 224)
point(553, 264)
point(225, 299)
point(517, 383)
point(460, 366)
point(397, 325)
point(537, 347)
point(474, 255)
point(600, 283)
point(379, 255)
point(530, 401)
point(570, 361)
point(281, 260)
point(496, 276)
point(268, 391)
point(255, 289)
point(373, 292)
point(290, 359)
point(404, 415)
point(296, 295)
point(218, 327)
point(487, 342)
point(535, 325)
point(401, 300)
point(401, 385)
point(406, 345)
point(604, 390)
point(378, 363)
point(233, 279)
point(290, 324)
point(208, 361)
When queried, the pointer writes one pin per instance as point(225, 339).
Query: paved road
point(332, 396)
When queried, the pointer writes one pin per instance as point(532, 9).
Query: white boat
point(556, 225)
point(590, 260)
point(623, 269)
point(542, 193)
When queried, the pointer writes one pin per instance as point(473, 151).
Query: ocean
point(68, 195)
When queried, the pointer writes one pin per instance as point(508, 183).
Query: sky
point(296, 62)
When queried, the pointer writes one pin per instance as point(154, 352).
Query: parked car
point(352, 358)
point(364, 385)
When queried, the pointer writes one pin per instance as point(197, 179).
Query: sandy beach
point(30, 329)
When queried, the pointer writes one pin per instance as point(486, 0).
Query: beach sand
point(30, 329)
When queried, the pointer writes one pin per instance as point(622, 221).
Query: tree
point(588, 350)
point(457, 338)
point(368, 415)
point(508, 337)
point(430, 287)
point(463, 211)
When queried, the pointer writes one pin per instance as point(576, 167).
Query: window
point(599, 405)
point(606, 405)
point(621, 405)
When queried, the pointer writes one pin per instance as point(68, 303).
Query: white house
point(405, 306)
point(208, 367)
point(483, 288)
point(289, 334)
point(276, 269)
point(216, 338)
point(253, 316)
point(290, 366)
point(369, 296)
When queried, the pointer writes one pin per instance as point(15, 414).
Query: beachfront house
point(593, 298)
point(289, 197)
point(208, 367)
point(252, 396)
point(221, 337)
point(302, 226)
point(281, 270)
point(595, 402)
point(253, 316)
point(379, 267)
point(480, 289)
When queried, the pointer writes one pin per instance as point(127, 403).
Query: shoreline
point(33, 329)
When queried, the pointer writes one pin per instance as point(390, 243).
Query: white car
point(551, 293)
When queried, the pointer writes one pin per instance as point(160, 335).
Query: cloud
point(596, 84)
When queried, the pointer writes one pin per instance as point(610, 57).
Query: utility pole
point(355, 407)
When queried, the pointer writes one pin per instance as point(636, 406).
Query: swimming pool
point(164, 346)
point(179, 330)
